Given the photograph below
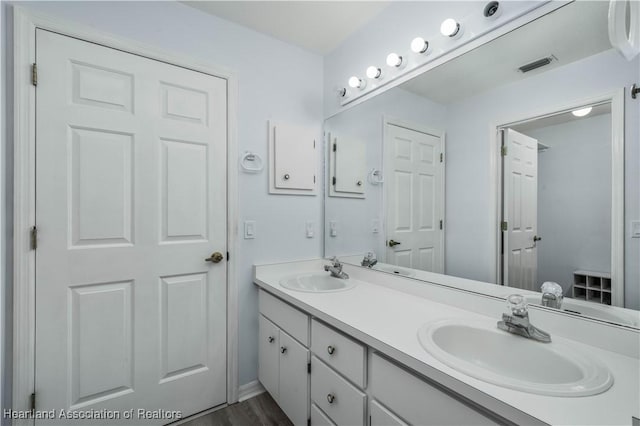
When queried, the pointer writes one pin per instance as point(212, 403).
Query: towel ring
point(251, 162)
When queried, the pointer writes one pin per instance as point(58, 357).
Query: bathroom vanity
point(364, 355)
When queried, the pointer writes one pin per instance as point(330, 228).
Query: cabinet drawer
point(417, 401)
point(339, 399)
point(285, 316)
point(318, 418)
point(380, 416)
point(342, 353)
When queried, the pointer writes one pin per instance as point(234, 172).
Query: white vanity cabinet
point(349, 383)
point(283, 356)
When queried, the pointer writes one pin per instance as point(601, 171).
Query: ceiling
point(573, 32)
point(317, 26)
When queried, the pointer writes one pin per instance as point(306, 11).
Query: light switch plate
point(249, 229)
point(333, 228)
point(635, 229)
point(375, 226)
point(309, 229)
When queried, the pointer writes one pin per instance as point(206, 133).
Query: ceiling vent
point(537, 64)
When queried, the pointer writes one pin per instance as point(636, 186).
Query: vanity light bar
point(449, 28)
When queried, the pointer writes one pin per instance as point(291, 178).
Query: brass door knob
point(393, 243)
point(215, 257)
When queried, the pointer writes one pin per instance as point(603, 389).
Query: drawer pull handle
point(331, 398)
point(270, 339)
point(331, 350)
point(283, 349)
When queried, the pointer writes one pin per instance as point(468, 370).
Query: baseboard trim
point(250, 390)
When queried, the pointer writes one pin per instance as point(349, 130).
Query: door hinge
point(441, 157)
point(441, 224)
point(309, 368)
point(228, 256)
point(504, 226)
point(33, 401)
point(314, 178)
point(335, 147)
point(314, 144)
point(33, 238)
point(34, 74)
point(503, 151)
point(333, 181)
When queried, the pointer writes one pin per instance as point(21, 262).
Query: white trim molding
point(616, 98)
point(25, 23)
point(250, 390)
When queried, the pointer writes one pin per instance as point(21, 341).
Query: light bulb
point(356, 83)
point(450, 28)
point(582, 112)
point(342, 92)
point(394, 60)
point(419, 45)
point(374, 72)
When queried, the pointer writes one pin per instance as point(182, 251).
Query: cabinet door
point(294, 379)
point(268, 356)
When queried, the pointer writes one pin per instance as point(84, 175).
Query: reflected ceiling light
point(374, 72)
point(582, 112)
point(394, 60)
point(419, 45)
point(357, 83)
point(450, 28)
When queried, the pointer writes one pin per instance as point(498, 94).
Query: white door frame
point(24, 28)
point(616, 98)
point(386, 120)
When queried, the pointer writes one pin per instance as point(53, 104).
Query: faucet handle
point(517, 305)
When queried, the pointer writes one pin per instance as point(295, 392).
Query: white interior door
point(131, 199)
point(520, 210)
point(414, 185)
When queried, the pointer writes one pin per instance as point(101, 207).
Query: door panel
point(415, 197)
point(131, 198)
point(268, 356)
point(520, 210)
point(294, 379)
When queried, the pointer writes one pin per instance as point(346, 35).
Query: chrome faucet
point(551, 295)
point(369, 260)
point(518, 322)
point(336, 269)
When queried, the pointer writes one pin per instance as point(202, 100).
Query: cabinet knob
point(286, 176)
point(331, 349)
point(331, 398)
point(283, 349)
point(270, 339)
point(359, 183)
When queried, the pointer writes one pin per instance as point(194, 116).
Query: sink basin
point(507, 360)
point(590, 309)
point(316, 283)
point(392, 269)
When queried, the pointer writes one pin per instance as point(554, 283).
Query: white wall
point(276, 81)
point(574, 199)
point(468, 251)
point(364, 121)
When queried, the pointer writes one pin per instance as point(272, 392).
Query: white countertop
point(388, 320)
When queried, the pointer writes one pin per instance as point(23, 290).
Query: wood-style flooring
point(260, 410)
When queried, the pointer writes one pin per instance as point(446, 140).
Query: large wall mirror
point(513, 165)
